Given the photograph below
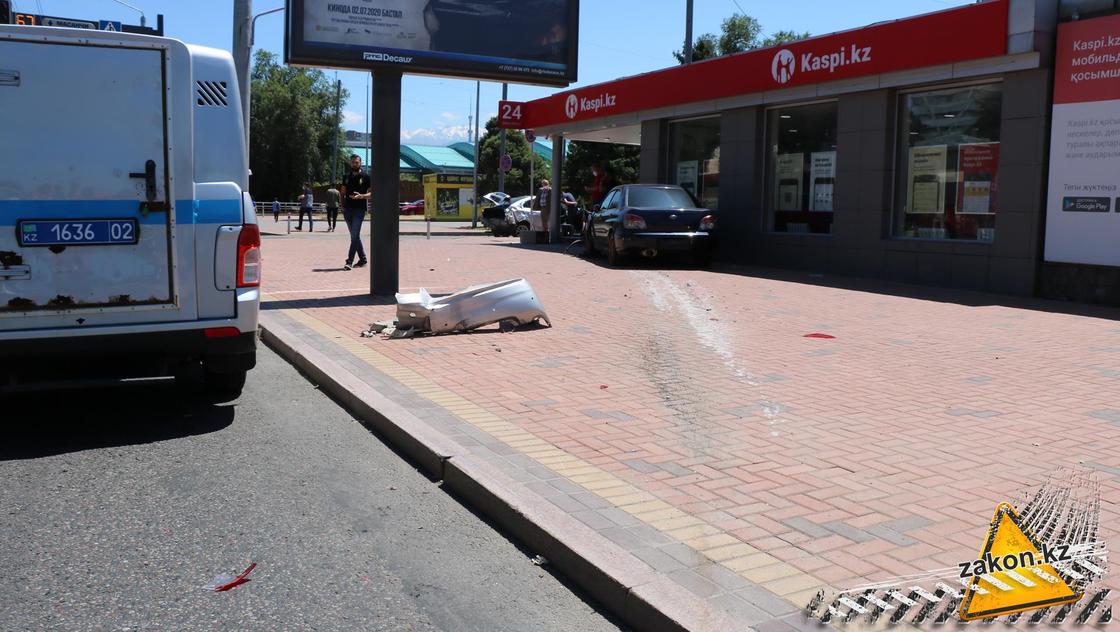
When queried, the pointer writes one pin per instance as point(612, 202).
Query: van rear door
point(87, 226)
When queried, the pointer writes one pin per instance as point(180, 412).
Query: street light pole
point(502, 146)
point(477, 102)
point(242, 51)
point(688, 32)
point(143, 22)
point(337, 126)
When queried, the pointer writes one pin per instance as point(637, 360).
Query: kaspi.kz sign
point(786, 64)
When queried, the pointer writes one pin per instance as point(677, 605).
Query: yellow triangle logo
point(1011, 574)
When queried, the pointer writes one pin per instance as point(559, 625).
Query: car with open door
point(650, 220)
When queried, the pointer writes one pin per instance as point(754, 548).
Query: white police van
point(128, 242)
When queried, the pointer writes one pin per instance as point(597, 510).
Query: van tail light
point(633, 222)
point(708, 223)
point(249, 256)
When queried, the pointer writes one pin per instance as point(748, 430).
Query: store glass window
point(947, 186)
point(801, 168)
point(694, 158)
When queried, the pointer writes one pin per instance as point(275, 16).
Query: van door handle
point(149, 176)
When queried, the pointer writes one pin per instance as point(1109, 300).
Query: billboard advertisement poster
point(524, 41)
point(925, 192)
point(447, 201)
point(976, 177)
point(1082, 222)
point(687, 174)
point(822, 174)
point(789, 170)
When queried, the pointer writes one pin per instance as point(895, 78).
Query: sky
point(618, 38)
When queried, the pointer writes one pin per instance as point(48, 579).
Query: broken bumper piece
point(512, 303)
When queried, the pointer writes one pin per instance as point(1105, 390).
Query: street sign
point(109, 25)
point(510, 114)
point(66, 23)
point(530, 136)
point(506, 163)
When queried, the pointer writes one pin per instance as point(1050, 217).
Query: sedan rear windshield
point(659, 198)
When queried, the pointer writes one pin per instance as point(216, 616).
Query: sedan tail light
point(249, 256)
point(633, 222)
point(708, 223)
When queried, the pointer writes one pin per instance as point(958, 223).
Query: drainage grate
point(212, 93)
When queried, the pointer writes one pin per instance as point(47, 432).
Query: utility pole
point(688, 32)
point(477, 101)
point(502, 146)
point(242, 51)
point(337, 130)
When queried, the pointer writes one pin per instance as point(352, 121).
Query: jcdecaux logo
point(786, 64)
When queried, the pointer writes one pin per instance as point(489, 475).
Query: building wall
point(861, 243)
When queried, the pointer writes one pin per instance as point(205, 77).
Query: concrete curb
point(621, 583)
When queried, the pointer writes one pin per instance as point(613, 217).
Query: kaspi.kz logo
point(784, 66)
point(571, 108)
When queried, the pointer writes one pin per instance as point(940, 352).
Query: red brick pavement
point(881, 452)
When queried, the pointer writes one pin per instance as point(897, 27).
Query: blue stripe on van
point(186, 211)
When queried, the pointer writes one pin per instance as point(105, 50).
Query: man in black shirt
point(355, 196)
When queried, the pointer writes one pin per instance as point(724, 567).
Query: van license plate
point(90, 232)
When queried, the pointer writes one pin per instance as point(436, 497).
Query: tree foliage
point(292, 128)
point(738, 33)
point(517, 180)
point(621, 161)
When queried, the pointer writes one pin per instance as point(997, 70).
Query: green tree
point(517, 180)
point(292, 128)
point(738, 33)
point(622, 161)
point(782, 37)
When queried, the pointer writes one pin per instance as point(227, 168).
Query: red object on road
point(237, 581)
point(602, 387)
point(820, 336)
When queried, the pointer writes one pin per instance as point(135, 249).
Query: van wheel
point(224, 387)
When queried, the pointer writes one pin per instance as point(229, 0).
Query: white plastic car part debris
point(513, 301)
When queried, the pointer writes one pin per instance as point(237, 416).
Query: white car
point(520, 215)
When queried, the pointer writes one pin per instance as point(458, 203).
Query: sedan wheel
point(614, 257)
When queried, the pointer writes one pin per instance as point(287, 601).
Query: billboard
point(1083, 201)
point(521, 41)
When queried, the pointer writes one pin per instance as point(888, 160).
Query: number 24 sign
point(510, 114)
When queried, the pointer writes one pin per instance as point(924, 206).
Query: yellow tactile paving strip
point(745, 560)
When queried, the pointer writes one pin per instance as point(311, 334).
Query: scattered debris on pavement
point(511, 304)
point(820, 336)
point(539, 560)
point(226, 581)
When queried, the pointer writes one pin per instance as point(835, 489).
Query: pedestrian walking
point(306, 204)
point(275, 210)
point(333, 198)
point(355, 198)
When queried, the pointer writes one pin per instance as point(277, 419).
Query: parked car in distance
point(412, 208)
point(650, 220)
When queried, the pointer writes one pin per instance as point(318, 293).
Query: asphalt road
point(116, 506)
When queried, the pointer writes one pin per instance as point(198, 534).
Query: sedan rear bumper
point(696, 242)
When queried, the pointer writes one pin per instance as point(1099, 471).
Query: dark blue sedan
point(650, 220)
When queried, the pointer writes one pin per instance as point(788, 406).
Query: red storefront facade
point(912, 150)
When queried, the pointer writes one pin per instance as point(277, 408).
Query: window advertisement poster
point(925, 192)
point(822, 174)
point(688, 173)
point(976, 175)
point(1082, 218)
point(447, 202)
point(789, 170)
point(524, 41)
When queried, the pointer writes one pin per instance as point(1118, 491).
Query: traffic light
point(5, 11)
